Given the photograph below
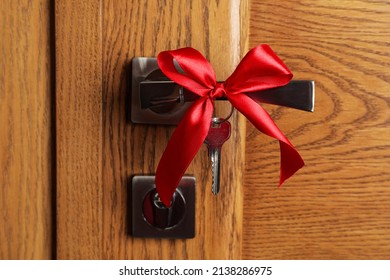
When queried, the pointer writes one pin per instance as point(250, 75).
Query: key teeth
point(212, 177)
point(214, 181)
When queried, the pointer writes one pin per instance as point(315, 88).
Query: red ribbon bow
point(260, 69)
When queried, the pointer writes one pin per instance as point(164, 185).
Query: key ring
point(217, 120)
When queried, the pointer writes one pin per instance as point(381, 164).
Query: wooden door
point(338, 206)
point(333, 206)
point(73, 59)
point(99, 150)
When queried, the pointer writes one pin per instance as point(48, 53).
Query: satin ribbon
point(260, 69)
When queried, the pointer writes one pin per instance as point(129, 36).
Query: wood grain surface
point(140, 28)
point(78, 46)
point(338, 206)
point(99, 150)
point(25, 131)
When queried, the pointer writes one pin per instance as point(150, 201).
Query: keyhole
point(159, 204)
point(158, 215)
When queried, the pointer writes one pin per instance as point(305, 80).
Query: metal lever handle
point(296, 94)
point(157, 100)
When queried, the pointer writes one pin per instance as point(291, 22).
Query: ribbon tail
point(290, 160)
point(182, 148)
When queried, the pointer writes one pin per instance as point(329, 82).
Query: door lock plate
point(143, 69)
point(150, 218)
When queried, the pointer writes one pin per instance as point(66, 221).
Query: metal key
point(218, 134)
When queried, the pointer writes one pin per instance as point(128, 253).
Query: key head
point(218, 134)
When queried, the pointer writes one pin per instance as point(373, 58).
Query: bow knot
point(218, 91)
point(260, 69)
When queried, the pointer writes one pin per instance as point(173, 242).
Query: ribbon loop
point(198, 76)
point(260, 69)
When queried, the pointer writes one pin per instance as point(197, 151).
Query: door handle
point(157, 100)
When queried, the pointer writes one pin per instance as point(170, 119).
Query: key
point(218, 134)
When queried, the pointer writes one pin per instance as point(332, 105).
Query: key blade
point(215, 156)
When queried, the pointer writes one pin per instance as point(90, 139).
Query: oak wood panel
point(97, 156)
point(143, 28)
point(79, 129)
point(25, 131)
point(338, 206)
